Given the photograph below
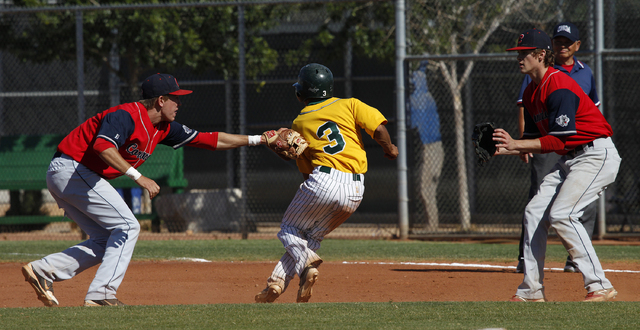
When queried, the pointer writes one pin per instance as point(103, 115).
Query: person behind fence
point(561, 118)
point(110, 144)
point(424, 118)
point(565, 42)
point(333, 167)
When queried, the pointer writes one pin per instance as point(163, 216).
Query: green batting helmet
point(315, 81)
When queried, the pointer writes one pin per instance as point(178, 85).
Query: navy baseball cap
point(532, 39)
point(566, 29)
point(161, 84)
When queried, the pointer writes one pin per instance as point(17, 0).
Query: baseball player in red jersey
point(106, 146)
point(566, 42)
point(332, 166)
point(560, 118)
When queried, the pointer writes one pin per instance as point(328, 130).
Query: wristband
point(133, 173)
point(255, 140)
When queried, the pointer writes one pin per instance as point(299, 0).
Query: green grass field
point(391, 315)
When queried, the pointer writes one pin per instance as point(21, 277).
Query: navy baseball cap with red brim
point(533, 39)
point(161, 84)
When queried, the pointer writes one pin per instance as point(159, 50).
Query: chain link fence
point(485, 88)
point(241, 60)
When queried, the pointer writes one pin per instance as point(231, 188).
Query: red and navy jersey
point(129, 129)
point(559, 107)
point(580, 72)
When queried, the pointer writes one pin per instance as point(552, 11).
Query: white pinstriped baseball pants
point(322, 203)
point(572, 185)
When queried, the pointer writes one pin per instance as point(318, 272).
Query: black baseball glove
point(483, 143)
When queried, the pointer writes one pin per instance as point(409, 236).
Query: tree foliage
point(451, 27)
point(199, 38)
point(368, 26)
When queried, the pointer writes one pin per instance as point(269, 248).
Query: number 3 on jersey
point(332, 132)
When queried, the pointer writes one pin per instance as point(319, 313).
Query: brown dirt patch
point(182, 282)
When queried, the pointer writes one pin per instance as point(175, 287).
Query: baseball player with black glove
point(108, 145)
point(333, 167)
point(560, 118)
point(565, 42)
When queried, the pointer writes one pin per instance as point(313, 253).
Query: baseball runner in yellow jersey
point(333, 167)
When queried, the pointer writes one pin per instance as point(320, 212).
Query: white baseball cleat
point(307, 280)
point(270, 294)
point(43, 287)
point(517, 298)
point(601, 295)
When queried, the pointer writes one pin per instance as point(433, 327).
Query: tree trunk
point(455, 86)
point(463, 188)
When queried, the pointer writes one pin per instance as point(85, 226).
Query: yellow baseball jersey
point(333, 130)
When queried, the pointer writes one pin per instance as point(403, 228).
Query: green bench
point(24, 161)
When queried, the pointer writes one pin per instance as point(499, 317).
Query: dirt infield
point(187, 282)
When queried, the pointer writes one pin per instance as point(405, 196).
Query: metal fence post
point(243, 123)
point(1, 98)
point(602, 214)
point(114, 81)
point(80, 75)
point(228, 110)
point(80, 66)
point(403, 199)
point(348, 65)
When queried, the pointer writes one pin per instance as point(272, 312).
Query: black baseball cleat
point(43, 287)
point(103, 302)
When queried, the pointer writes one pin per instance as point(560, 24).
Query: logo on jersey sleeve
point(563, 121)
point(133, 150)
point(187, 129)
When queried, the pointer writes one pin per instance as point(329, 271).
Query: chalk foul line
point(463, 265)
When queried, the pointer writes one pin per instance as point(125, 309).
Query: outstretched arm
point(225, 141)
point(381, 135)
point(228, 141)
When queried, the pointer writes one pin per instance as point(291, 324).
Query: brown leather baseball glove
point(287, 143)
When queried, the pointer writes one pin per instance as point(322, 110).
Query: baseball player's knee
point(134, 230)
point(290, 236)
point(561, 216)
point(126, 232)
point(566, 226)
